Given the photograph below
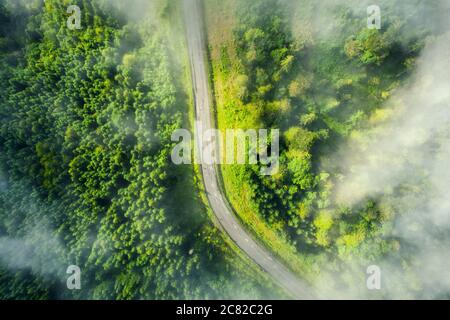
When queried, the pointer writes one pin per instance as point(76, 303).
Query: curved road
point(196, 46)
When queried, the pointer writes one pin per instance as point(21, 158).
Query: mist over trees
point(315, 70)
point(86, 177)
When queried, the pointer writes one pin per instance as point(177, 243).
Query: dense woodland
point(315, 70)
point(86, 121)
point(86, 177)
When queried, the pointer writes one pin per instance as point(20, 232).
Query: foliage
point(86, 119)
point(320, 87)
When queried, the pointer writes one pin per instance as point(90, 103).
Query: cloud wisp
point(404, 163)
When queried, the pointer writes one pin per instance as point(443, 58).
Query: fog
point(407, 161)
point(323, 20)
point(38, 251)
point(402, 163)
point(35, 246)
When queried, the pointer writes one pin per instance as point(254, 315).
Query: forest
point(89, 101)
point(337, 89)
point(86, 177)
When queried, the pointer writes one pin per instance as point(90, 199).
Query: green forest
point(86, 177)
point(87, 114)
point(316, 71)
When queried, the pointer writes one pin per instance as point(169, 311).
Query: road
point(197, 51)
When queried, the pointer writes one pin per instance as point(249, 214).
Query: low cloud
point(404, 165)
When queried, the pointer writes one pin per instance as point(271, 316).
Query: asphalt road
point(230, 224)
